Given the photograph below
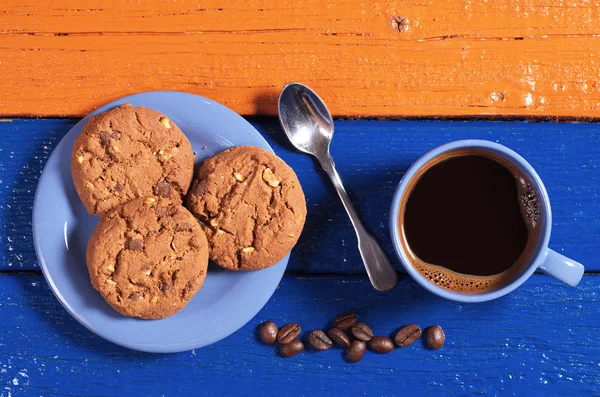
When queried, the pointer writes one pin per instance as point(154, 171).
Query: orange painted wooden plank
point(366, 58)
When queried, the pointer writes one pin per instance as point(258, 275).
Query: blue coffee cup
point(540, 257)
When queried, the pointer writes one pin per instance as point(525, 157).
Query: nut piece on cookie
point(103, 151)
point(268, 177)
point(166, 122)
point(131, 261)
point(250, 225)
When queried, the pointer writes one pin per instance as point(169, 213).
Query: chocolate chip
point(136, 296)
point(118, 187)
point(165, 287)
point(183, 227)
point(161, 211)
point(163, 189)
point(135, 244)
point(188, 288)
point(105, 138)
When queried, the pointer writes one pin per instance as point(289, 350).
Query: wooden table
point(380, 59)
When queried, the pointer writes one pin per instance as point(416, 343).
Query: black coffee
point(464, 216)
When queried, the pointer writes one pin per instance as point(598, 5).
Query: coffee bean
point(356, 351)
point(319, 340)
point(291, 349)
point(361, 331)
point(268, 332)
point(381, 344)
point(345, 320)
point(288, 333)
point(339, 337)
point(407, 335)
point(435, 337)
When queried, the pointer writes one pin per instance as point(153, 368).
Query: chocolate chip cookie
point(250, 205)
point(148, 258)
point(129, 152)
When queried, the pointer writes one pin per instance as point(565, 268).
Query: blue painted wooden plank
point(24, 148)
point(371, 157)
point(539, 340)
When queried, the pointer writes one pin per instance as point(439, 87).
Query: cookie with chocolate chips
point(128, 152)
point(250, 205)
point(148, 258)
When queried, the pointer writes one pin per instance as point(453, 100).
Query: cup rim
point(518, 161)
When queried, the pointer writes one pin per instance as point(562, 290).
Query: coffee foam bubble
point(459, 282)
point(529, 204)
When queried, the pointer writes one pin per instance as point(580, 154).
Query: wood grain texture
point(371, 157)
point(375, 58)
point(539, 340)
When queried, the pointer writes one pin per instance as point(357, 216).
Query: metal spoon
point(309, 126)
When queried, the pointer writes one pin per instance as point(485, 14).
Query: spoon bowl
point(305, 119)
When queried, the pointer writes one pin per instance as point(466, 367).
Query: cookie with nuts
point(148, 258)
point(129, 152)
point(250, 205)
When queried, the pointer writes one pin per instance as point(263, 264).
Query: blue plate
point(62, 227)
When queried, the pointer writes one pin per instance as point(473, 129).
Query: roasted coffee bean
point(339, 337)
point(381, 344)
point(345, 320)
point(407, 335)
point(356, 351)
point(319, 340)
point(288, 333)
point(291, 349)
point(268, 332)
point(361, 331)
point(435, 337)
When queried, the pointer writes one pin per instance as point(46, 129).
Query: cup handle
point(562, 268)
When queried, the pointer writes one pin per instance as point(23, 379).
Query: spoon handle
point(382, 274)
